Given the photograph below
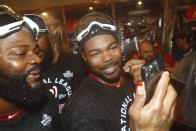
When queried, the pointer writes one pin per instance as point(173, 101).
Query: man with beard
point(43, 41)
point(101, 103)
point(24, 105)
point(61, 73)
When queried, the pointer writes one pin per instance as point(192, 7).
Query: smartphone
point(151, 72)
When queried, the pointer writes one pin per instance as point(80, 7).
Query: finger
point(136, 69)
point(137, 76)
point(136, 66)
point(127, 65)
point(161, 89)
point(132, 62)
point(172, 113)
point(169, 100)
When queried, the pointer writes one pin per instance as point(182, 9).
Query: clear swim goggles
point(39, 21)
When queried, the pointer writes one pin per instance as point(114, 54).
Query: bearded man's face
point(20, 70)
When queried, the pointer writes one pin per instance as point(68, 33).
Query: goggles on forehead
point(15, 26)
point(16, 23)
point(39, 21)
point(86, 31)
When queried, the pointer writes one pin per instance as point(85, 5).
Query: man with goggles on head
point(61, 73)
point(25, 105)
point(102, 101)
point(43, 41)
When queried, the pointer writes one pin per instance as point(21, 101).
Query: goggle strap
point(86, 31)
point(10, 28)
point(34, 27)
point(40, 20)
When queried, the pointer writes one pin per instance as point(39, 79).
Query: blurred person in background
point(157, 48)
point(146, 50)
point(181, 47)
point(145, 54)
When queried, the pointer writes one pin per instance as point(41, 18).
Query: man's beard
point(16, 90)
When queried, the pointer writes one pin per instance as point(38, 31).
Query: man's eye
point(94, 54)
point(113, 47)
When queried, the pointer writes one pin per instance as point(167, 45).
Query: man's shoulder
point(193, 54)
point(189, 59)
point(184, 68)
point(86, 96)
point(40, 120)
point(86, 90)
point(86, 93)
point(49, 114)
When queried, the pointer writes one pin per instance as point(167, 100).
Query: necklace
point(114, 85)
point(11, 116)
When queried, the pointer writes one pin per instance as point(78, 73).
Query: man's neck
point(7, 108)
point(118, 83)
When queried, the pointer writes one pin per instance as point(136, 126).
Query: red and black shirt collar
point(113, 85)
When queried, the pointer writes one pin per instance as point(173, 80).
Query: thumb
point(137, 105)
point(140, 97)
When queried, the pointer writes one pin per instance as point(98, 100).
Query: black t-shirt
point(47, 119)
point(97, 107)
point(64, 77)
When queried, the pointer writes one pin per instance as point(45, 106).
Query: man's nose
point(106, 56)
point(35, 59)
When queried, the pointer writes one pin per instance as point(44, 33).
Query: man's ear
point(83, 56)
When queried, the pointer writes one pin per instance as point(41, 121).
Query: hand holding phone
point(159, 113)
